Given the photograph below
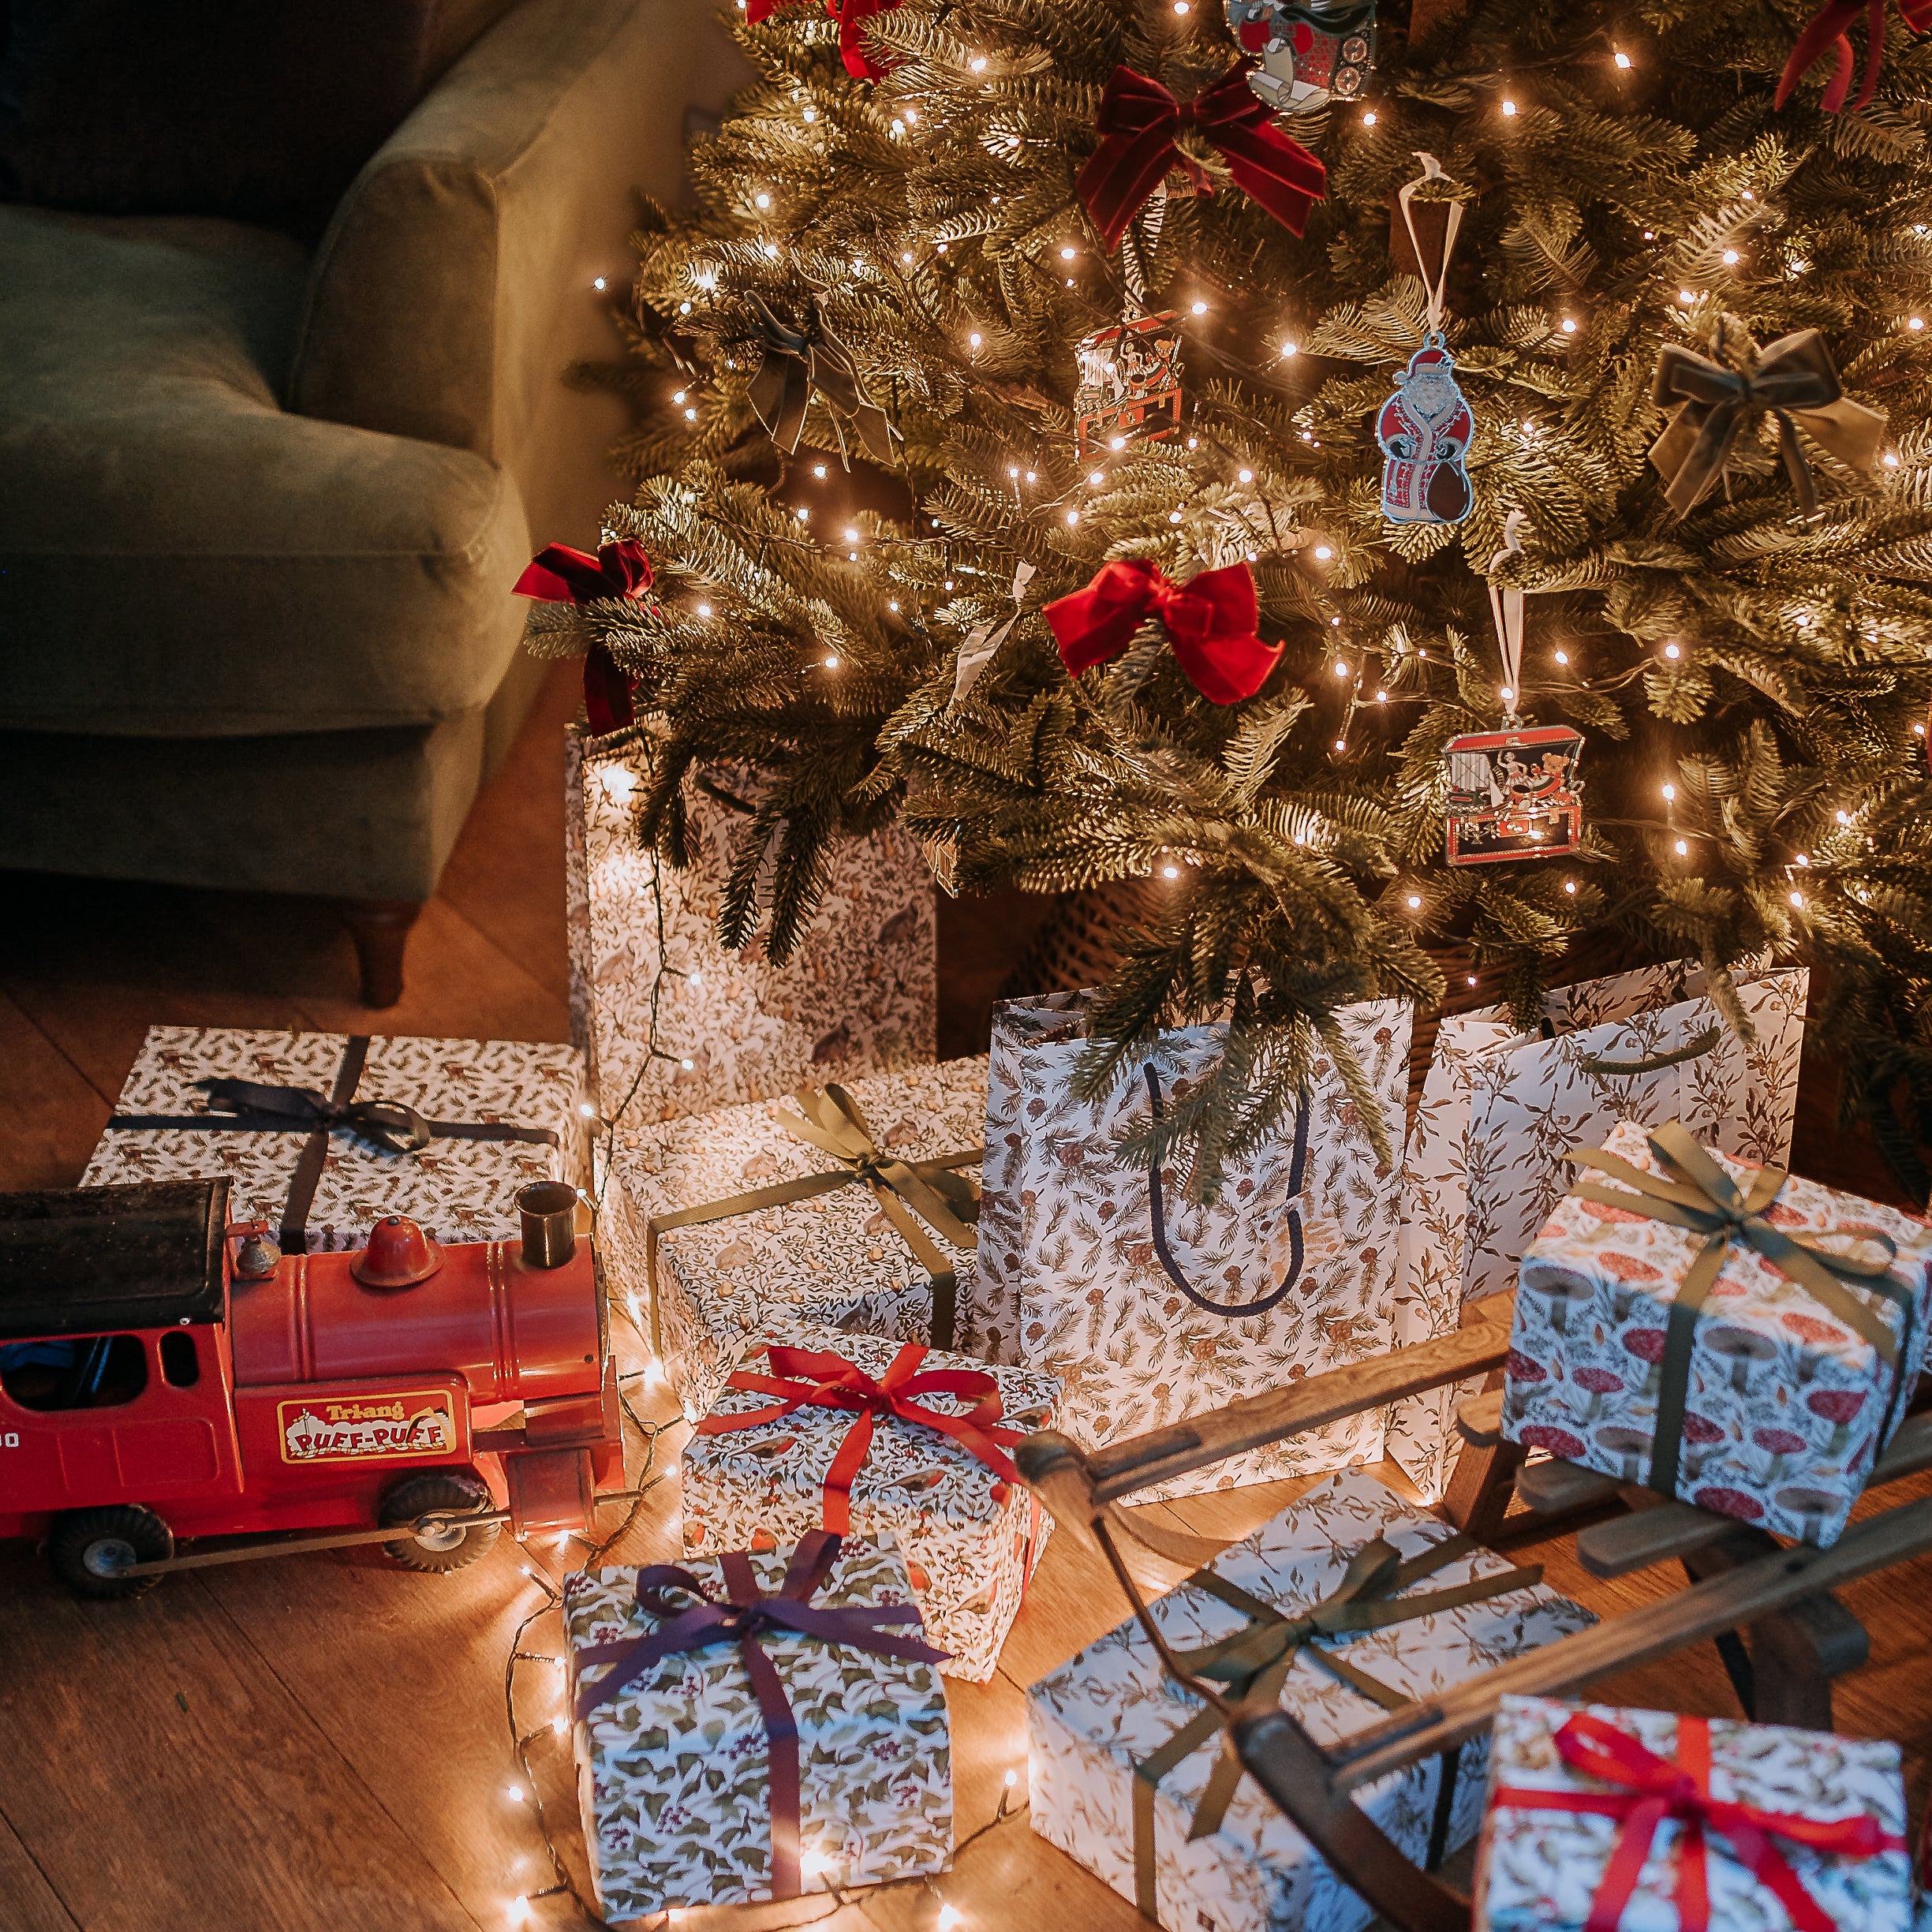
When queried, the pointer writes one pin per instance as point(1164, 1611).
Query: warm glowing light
point(560, 1724)
point(1804, 859)
point(851, 537)
point(694, 979)
point(1472, 979)
point(519, 1909)
point(1844, 818)
point(1569, 885)
point(809, 115)
point(1622, 60)
point(617, 783)
point(1569, 325)
point(1012, 1778)
point(1323, 553)
point(1341, 744)
point(1073, 516)
point(703, 610)
point(600, 284)
point(1116, 442)
point(949, 1917)
point(1509, 106)
point(1200, 308)
point(1687, 296)
point(1797, 898)
point(1891, 459)
point(688, 1065)
point(1562, 657)
point(811, 1863)
point(1671, 650)
point(1031, 478)
point(1290, 348)
point(1509, 697)
point(761, 200)
point(1170, 872)
point(514, 1794)
point(1915, 322)
point(974, 338)
point(1670, 792)
point(1368, 119)
point(1730, 258)
point(1174, 516)
point(1681, 848)
point(818, 469)
point(690, 416)
point(1381, 697)
point(832, 661)
point(1341, 669)
point(1415, 901)
point(1245, 475)
point(803, 515)
point(977, 63)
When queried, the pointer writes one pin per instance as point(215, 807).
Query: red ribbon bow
point(1827, 29)
point(1654, 1791)
point(1139, 122)
point(559, 574)
point(1210, 622)
point(859, 63)
point(806, 1376)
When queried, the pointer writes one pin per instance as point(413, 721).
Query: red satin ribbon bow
point(1210, 622)
point(1139, 122)
point(1827, 29)
point(1654, 1791)
point(848, 14)
point(806, 1376)
point(559, 574)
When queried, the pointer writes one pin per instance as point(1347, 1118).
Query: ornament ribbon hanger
point(1435, 287)
point(1506, 609)
point(982, 640)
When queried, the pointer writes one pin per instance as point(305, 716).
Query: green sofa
point(261, 506)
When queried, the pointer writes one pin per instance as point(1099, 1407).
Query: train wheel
point(442, 1546)
point(89, 1549)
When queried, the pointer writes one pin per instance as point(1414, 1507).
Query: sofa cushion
point(180, 557)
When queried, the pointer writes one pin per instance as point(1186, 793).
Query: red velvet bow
point(809, 1377)
point(1827, 29)
point(848, 14)
point(1210, 622)
point(1139, 122)
point(559, 574)
point(1654, 1791)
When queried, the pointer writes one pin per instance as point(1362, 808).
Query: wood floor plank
point(28, 1903)
point(53, 1116)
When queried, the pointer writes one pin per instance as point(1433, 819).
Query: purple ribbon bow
point(742, 1619)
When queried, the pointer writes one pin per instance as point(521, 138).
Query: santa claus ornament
point(1426, 428)
point(1308, 51)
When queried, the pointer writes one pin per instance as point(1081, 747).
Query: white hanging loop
point(1435, 287)
point(982, 640)
point(1506, 610)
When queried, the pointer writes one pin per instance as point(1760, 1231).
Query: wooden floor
point(322, 1743)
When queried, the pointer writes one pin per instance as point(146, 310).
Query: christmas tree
point(868, 463)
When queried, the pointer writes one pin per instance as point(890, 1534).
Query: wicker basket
point(1078, 944)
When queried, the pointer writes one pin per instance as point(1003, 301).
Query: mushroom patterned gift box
point(1727, 1335)
point(816, 1428)
point(756, 1725)
point(320, 1135)
point(1651, 1823)
point(1127, 1774)
point(848, 1207)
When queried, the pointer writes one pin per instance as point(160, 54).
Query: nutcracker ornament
point(1309, 50)
point(1130, 385)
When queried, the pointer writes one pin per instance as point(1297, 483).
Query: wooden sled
point(1795, 1637)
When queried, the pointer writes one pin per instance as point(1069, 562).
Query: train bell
point(399, 1256)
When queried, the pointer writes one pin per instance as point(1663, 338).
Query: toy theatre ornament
point(1309, 50)
point(1130, 385)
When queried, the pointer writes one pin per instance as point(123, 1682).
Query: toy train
point(163, 1373)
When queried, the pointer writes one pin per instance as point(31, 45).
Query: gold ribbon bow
point(1794, 378)
point(1255, 1663)
point(1695, 1193)
point(797, 361)
point(830, 1119)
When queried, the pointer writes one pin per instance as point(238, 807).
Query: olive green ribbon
point(1254, 1663)
point(798, 361)
point(830, 1119)
point(1695, 1193)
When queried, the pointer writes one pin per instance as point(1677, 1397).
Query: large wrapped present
point(1347, 1604)
point(817, 1429)
point(674, 1022)
point(1657, 1823)
point(1501, 1109)
point(851, 1207)
point(755, 1726)
point(1727, 1335)
point(322, 1134)
point(1151, 1307)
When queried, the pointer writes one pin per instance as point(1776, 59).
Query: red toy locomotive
point(163, 1373)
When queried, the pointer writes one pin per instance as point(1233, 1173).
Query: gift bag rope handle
point(1651, 1062)
point(1235, 1311)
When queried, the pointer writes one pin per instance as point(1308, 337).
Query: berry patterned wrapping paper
point(458, 1190)
point(834, 1260)
point(970, 1536)
point(1136, 1301)
point(1786, 1404)
point(1094, 1719)
point(673, 1773)
point(858, 996)
point(1542, 1869)
point(1500, 1109)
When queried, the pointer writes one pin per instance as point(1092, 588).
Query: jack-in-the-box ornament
point(1130, 385)
point(1309, 50)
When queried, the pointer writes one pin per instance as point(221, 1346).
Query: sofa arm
point(453, 287)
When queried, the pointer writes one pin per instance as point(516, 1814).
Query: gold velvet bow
point(797, 361)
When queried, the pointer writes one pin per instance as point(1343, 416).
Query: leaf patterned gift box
point(1542, 1868)
point(459, 1190)
point(970, 1536)
point(834, 1260)
point(1786, 1404)
point(673, 1773)
point(1111, 1708)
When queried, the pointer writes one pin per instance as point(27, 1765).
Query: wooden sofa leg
point(380, 928)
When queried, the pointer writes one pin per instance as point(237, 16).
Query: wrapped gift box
point(835, 1258)
point(1786, 1406)
point(1094, 1720)
point(969, 1532)
point(459, 1187)
point(673, 1769)
point(1542, 1868)
point(858, 994)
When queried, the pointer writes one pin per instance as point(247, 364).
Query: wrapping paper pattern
point(858, 996)
point(1093, 1719)
point(459, 1190)
point(970, 1539)
point(1098, 1310)
point(1540, 1869)
point(1499, 1109)
point(672, 1773)
point(1782, 1419)
point(834, 1260)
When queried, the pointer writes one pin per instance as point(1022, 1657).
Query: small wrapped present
point(755, 1726)
point(1347, 1604)
point(322, 1134)
point(851, 1207)
point(816, 1428)
point(858, 996)
point(1731, 1336)
point(1657, 1823)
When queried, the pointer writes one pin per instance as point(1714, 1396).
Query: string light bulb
point(1415, 901)
point(1368, 118)
point(1323, 553)
point(1200, 308)
point(949, 1917)
point(1670, 793)
point(1681, 848)
point(761, 200)
point(1245, 476)
point(1509, 107)
point(1623, 60)
point(1670, 651)
point(1569, 885)
point(1289, 349)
